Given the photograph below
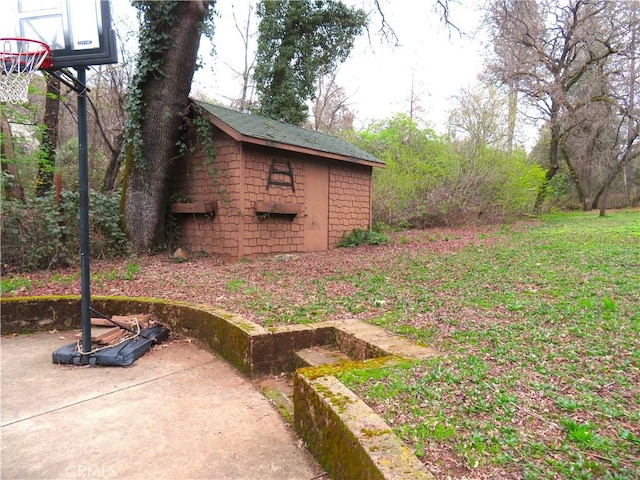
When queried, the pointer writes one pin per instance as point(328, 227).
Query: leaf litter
point(506, 414)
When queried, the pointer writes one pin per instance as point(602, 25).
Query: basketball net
point(20, 59)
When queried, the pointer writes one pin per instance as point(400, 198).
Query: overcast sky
point(377, 77)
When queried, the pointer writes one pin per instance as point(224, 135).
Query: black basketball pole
point(83, 178)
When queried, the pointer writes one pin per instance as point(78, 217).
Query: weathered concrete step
point(320, 355)
point(279, 388)
point(279, 391)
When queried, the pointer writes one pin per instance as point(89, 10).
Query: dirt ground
point(231, 285)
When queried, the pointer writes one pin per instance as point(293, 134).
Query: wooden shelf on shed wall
point(195, 207)
point(275, 208)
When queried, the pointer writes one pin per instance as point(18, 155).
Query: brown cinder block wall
point(273, 233)
point(237, 178)
point(349, 199)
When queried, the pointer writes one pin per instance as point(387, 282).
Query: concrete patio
point(179, 412)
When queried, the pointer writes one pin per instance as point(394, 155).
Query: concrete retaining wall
point(346, 436)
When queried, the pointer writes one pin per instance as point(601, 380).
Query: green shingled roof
point(271, 130)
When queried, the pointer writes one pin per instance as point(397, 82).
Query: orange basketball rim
point(20, 59)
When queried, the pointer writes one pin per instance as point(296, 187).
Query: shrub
point(432, 181)
point(362, 237)
point(39, 234)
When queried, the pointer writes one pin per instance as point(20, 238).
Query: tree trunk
point(601, 194)
point(603, 203)
point(513, 113)
point(628, 170)
point(573, 176)
point(554, 146)
point(244, 101)
point(113, 168)
point(165, 99)
point(13, 188)
point(47, 154)
point(112, 141)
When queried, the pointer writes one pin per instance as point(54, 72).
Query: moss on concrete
point(313, 373)
point(219, 330)
point(346, 436)
point(369, 433)
point(276, 398)
point(337, 400)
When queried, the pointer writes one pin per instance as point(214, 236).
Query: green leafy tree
point(298, 42)
point(415, 161)
point(9, 181)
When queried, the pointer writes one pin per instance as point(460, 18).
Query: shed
point(270, 188)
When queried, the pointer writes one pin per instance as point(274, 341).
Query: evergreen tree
point(298, 42)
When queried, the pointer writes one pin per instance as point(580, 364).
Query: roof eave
point(232, 132)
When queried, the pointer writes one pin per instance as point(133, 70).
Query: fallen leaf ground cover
point(538, 323)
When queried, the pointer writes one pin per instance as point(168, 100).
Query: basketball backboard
point(78, 32)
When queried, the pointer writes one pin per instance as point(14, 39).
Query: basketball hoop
point(20, 59)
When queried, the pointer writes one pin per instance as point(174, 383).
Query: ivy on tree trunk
point(11, 186)
point(169, 40)
point(47, 153)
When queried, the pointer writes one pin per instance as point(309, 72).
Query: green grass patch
point(128, 273)
point(541, 332)
point(63, 279)
point(235, 285)
point(363, 237)
point(11, 284)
